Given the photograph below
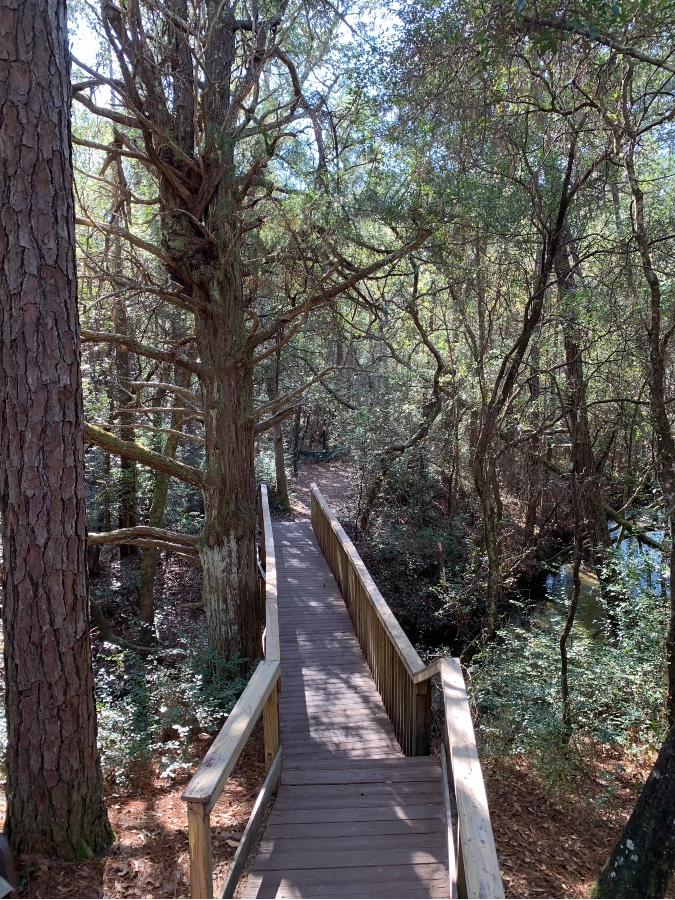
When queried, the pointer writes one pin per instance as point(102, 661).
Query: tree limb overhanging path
point(362, 809)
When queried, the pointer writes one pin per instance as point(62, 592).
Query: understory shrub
point(152, 709)
point(617, 677)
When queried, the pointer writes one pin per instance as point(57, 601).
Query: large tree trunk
point(643, 861)
point(54, 789)
point(227, 549)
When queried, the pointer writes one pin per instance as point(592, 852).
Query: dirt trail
point(335, 478)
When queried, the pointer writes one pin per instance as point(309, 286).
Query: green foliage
point(617, 679)
point(151, 710)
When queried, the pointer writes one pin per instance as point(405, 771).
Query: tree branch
point(131, 450)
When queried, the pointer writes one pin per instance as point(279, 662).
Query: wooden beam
point(252, 828)
point(207, 782)
point(199, 836)
point(452, 864)
point(476, 846)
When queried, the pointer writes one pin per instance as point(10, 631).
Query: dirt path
point(335, 478)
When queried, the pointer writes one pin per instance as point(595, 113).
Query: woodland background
point(439, 239)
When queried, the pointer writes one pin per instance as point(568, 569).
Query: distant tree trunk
point(591, 493)
point(127, 494)
point(665, 442)
point(296, 443)
point(278, 439)
point(643, 861)
point(156, 514)
point(54, 788)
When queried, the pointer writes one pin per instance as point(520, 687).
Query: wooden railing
point(259, 696)
point(401, 677)
point(404, 685)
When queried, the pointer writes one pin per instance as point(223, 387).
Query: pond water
point(551, 596)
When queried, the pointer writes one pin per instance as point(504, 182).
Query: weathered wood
point(199, 836)
point(252, 828)
point(272, 650)
point(349, 800)
point(208, 781)
point(271, 727)
point(452, 865)
point(393, 661)
point(397, 636)
point(475, 841)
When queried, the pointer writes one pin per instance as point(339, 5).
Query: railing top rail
point(272, 647)
point(397, 636)
point(207, 783)
point(481, 867)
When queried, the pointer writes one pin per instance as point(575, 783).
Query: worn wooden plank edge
point(481, 867)
point(252, 829)
point(272, 647)
point(405, 650)
point(452, 865)
point(207, 783)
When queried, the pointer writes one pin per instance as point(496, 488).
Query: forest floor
point(551, 842)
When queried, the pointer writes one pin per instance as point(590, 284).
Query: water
point(553, 595)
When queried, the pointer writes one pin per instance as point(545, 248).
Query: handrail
point(478, 872)
point(404, 684)
point(259, 696)
point(401, 677)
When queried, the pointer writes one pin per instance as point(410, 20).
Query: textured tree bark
point(54, 789)
point(643, 861)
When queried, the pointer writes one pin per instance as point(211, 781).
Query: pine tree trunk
point(54, 788)
point(643, 861)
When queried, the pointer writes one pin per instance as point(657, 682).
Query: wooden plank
point(251, 831)
point(339, 858)
point(308, 846)
point(339, 829)
point(375, 874)
point(385, 813)
point(199, 836)
point(272, 651)
point(207, 782)
point(481, 868)
point(347, 776)
point(452, 866)
point(404, 648)
point(271, 727)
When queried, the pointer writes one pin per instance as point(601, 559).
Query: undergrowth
point(617, 684)
point(151, 710)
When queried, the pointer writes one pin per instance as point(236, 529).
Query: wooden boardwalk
point(354, 817)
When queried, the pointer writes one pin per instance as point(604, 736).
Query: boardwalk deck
point(353, 817)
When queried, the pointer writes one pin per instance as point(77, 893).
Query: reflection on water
point(590, 616)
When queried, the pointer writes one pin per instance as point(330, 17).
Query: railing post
point(462, 890)
point(271, 726)
point(423, 719)
point(199, 835)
